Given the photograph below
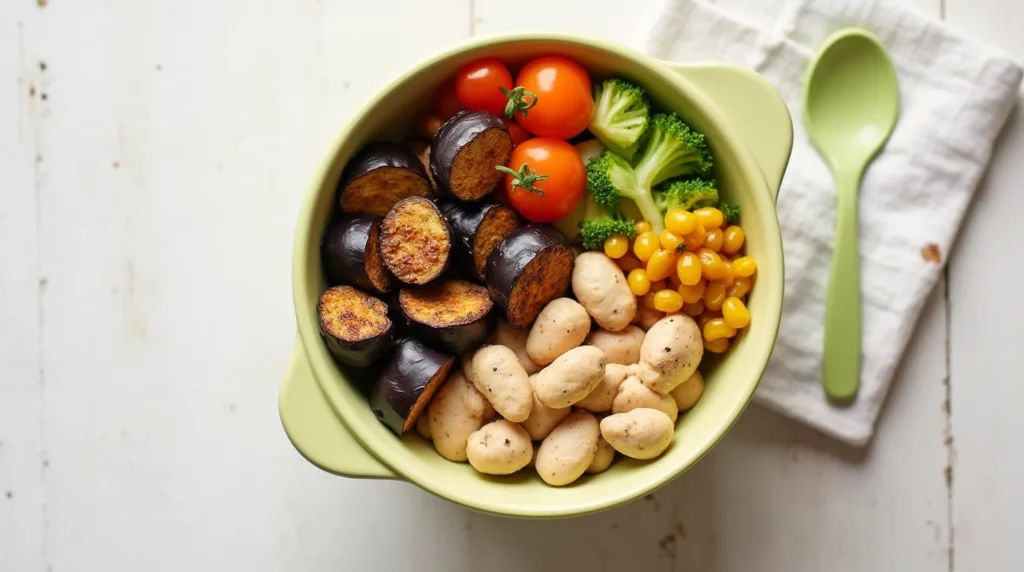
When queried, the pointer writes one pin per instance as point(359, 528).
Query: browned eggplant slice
point(408, 383)
point(465, 151)
point(416, 241)
point(355, 326)
point(350, 253)
point(451, 315)
point(380, 175)
point(478, 229)
point(529, 268)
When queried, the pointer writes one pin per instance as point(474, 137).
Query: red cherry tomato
point(446, 104)
point(548, 181)
point(478, 85)
point(518, 133)
point(564, 103)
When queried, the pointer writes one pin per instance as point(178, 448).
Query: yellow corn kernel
point(645, 245)
point(688, 268)
point(642, 227)
point(734, 237)
point(661, 264)
point(673, 279)
point(639, 282)
point(714, 239)
point(735, 313)
point(706, 317)
point(695, 240)
point(670, 240)
point(718, 346)
point(628, 263)
point(729, 276)
point(693, 309)
point(744, 266)
point(692, 293)
point(616, 246)
point(740, 287)
point(716, 329)
point(680, 222)
point(710, 217)
point(714, 296)
point(668, 301)
point(711, 265)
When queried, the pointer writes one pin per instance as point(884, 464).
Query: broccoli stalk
point(688, 195)
point(621, 116)
point(599, 222)
point(610, 178)
point(672, 149)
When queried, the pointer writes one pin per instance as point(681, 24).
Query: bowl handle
point(315, 430)
point(755, 109)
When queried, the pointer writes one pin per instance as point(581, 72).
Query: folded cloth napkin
point(956, 93)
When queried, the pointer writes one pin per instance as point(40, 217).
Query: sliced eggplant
point(478, 229)
point(355, 326)
point(451, 315)
point(380, 175)
point(416, 241)
point(408, 383)
point(529, 268)
point(350, 253)
point(465, 151)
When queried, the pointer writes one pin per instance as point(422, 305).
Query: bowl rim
point(308, 330)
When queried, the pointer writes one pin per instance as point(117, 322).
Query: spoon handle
point(841, 363)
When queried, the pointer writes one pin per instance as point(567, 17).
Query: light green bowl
point(326, 416)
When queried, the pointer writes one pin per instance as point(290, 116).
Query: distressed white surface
point(145, 322)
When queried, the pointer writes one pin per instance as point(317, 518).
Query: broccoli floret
point(672, 150)
point(688, 194)
point(730, 211)
point(621, 116)
point(599, 222)
point(610, 178)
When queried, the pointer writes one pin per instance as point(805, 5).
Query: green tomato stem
point(524, 177)
point(517, 100)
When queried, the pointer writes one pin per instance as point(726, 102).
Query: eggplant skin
point(408, 383)
point(354, 325)
point(465, 151)
point(478, 228)
point(529, 268)
point(349, 247)
point(453, 316)
point(380, 175)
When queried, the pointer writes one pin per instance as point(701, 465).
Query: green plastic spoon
point(851, 102)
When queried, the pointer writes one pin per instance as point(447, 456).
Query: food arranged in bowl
point(538, 274)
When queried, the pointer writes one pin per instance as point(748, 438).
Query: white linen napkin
point(956, 93)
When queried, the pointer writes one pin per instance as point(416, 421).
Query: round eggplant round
point(354, 325)
point(529, 268)
point(350, 253)
point(408, 383)
point(451, 315)
point(416, 241)
point(380, 175)
point(478, 228)
point(465, 151)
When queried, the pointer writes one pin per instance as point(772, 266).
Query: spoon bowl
point(851, 104)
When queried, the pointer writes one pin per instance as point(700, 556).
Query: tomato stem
point(517, 100)
point(524, 177)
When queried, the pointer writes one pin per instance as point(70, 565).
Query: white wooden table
point(152, 160)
